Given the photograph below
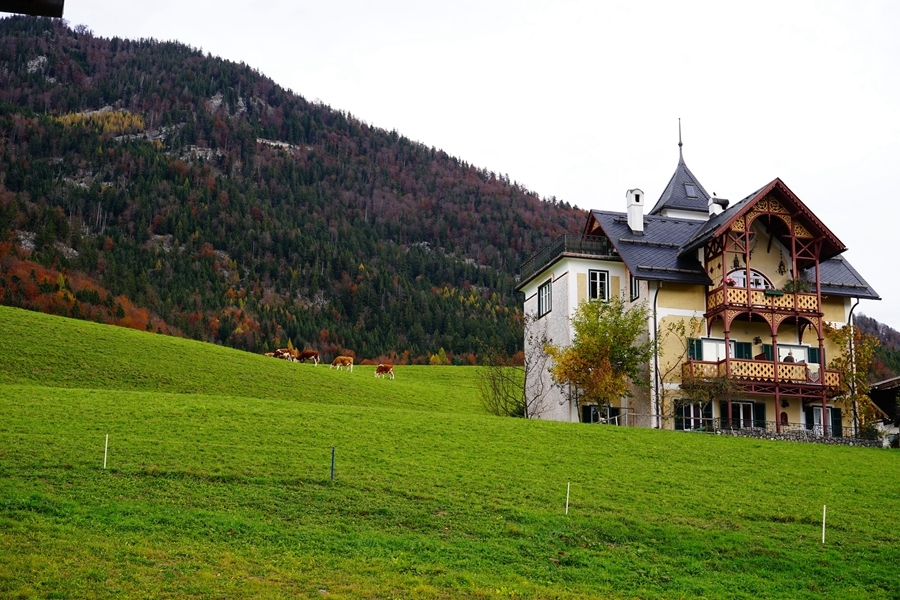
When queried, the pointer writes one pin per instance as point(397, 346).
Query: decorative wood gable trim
point(592, 226)
point(777, 200)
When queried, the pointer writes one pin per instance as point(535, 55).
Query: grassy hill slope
point(218, 486)
point(50, 351)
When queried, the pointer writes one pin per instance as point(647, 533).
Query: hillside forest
point(145, 184)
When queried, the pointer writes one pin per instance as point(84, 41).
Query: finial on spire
point(680, 155)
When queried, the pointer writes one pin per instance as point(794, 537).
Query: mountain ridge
point(236, 212)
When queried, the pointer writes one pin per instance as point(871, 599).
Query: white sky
point(580, 100)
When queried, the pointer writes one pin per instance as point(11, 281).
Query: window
point(814, 421)
point(800, 353)
point(691, 417)
point(758, 281)
point(695, 349)
point(744, 414)
point(814, 356)
point(611, 415)
point(743, 350)
point(635, 288)
point(714, 350)
point(598, 285)
point(544, 299)
point(690, 190)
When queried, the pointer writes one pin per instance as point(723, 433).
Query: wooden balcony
point(761, 376)
point(800, 302)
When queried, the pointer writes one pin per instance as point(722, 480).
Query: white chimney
point(635, 203)
point(717, 205)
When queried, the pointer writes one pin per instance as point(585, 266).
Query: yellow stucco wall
point(834, 309)
point(680, 296)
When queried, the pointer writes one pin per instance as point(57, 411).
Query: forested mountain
point(886, 363)
point(146, 184)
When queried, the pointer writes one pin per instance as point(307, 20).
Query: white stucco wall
point(568, 289)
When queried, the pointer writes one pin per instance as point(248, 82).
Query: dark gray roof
point(675, 195)
point(839, 278)
point(654, 255)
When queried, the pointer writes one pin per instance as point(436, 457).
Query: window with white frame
point(635, 288)
point(693, 416)
point(598, 285)
point(545, 303)
point(758, 281)
point(816, 419)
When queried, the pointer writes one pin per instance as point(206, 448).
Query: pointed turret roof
point(684, 191)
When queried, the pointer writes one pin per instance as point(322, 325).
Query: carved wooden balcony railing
point(765, 371)
point(787, 301)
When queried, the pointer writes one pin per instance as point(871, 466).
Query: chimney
point(717, 205)
point(635, 203)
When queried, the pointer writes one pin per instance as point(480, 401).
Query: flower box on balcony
point(773, 293)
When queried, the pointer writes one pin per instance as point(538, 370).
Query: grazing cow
point(342, 361)
point(288, 354)
point(271, 354)
point(304, 354)
point(382, 370)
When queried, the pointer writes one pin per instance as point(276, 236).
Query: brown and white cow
point(288, 354)
point(342, 361)
point(383, 369)
point(303, 355)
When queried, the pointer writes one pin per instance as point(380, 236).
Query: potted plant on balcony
point(796, 285)
point(730, 282)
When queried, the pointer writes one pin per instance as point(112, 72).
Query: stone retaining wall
point(800, 436)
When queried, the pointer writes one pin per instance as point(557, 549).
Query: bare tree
point(516, 390)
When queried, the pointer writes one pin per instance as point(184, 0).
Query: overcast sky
point(581, 100)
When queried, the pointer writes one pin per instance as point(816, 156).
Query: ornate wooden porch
point(798, 380)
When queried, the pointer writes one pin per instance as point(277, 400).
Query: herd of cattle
point(339, 363)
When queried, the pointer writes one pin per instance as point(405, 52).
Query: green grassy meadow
point(218, 486)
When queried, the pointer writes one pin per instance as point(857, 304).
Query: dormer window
point(690, 190)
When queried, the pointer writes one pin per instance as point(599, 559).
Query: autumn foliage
point(608, 350)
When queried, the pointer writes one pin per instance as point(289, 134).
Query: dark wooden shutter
point(837, 427)
point(808, 411)
point(679, 419)
point(695, 349)
point(814, 355)
point(723, 417)
point(767, 349)
point(743, 350)
point(759, 414)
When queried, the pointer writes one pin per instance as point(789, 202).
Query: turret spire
point(680, 155)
